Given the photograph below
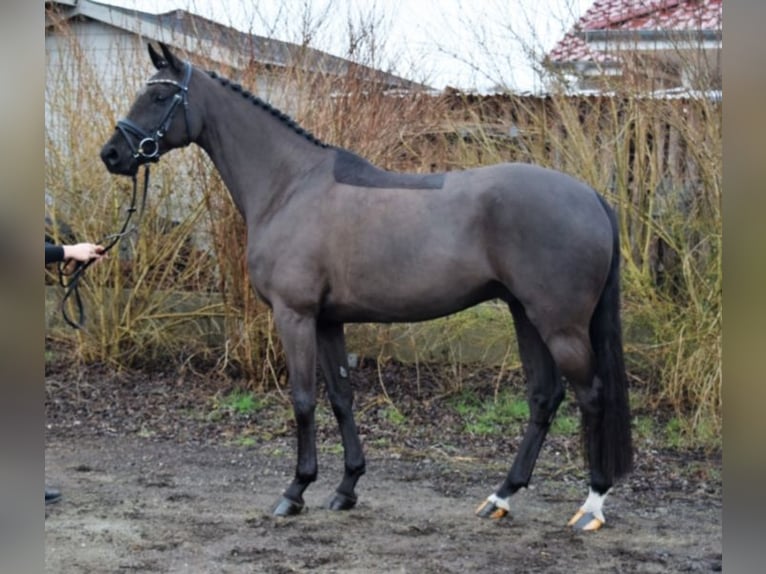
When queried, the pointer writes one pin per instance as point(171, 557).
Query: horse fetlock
point(305, 477)
point(356, 470)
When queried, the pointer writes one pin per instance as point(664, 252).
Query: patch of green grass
point(707, 433)
point(643, 427)
point(237, 403)
point(565, 425)
point(491, 416)
point(481, 427)
point(679, 432)
point(334, 448)
point(245, 441)
point(511, 408)
point(674, 432)
point(465, 403)
point(394, 416)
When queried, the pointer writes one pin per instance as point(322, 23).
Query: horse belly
point(407, 292)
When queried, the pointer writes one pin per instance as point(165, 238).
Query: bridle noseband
point(148, 147)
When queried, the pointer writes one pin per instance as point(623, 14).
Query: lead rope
point(70, 281)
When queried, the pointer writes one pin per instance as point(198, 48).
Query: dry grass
point(181, 293)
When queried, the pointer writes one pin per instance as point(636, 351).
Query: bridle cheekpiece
point(148, 148)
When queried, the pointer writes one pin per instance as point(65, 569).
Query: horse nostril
point(110, 156)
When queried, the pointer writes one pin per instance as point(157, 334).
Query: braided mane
point(281, 116)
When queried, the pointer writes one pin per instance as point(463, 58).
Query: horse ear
point(158, 61)
point(171, 59)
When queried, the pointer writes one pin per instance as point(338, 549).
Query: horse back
point(397, 253)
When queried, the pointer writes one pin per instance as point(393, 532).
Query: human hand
point(83, 252)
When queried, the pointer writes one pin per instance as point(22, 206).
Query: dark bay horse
point(333, 239)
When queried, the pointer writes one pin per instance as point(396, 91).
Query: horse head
point(160, 119)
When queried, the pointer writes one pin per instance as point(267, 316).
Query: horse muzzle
point(119, 161)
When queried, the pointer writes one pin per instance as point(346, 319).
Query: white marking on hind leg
point(503, 503)
point(494, 507)
point(594, 504)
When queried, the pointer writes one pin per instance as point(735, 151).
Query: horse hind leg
point(333, 362)
point(573, 354)
point(545, 391)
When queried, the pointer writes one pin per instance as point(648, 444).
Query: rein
point(72, 282)
point(145, 147)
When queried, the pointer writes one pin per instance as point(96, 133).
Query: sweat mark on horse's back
point(351, 169)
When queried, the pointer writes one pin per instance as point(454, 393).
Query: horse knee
point(304, 409)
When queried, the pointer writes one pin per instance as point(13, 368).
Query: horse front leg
point(334, 363)
point(298, 334)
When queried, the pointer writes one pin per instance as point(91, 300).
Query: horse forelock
point(264, 105)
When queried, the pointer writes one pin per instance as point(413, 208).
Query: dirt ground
point(158, 477)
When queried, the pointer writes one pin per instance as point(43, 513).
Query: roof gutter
point(614, 41)
point(592, 36)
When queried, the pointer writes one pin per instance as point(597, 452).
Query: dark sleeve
point(53, 253)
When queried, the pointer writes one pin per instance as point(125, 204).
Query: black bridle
point(146, 145)
point(146, 148)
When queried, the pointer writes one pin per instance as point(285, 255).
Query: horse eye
point(159, 97)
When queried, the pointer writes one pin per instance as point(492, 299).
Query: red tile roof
point(635, 15)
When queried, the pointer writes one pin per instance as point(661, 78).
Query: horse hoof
point(340, 501)
point(585, 521)
point(489, 509)
point(287, 507)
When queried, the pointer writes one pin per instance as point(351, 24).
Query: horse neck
point(257, 154)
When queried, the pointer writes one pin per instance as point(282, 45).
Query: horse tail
point(616, 448)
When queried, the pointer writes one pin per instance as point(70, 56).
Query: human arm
point(79, 252)
point(53, 253)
